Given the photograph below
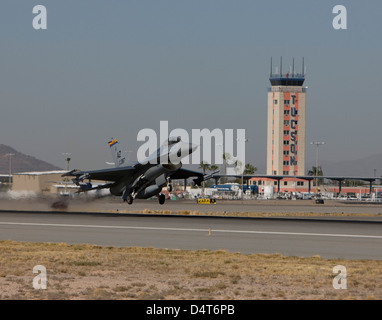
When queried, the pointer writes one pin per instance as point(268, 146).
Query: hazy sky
point(107, 69)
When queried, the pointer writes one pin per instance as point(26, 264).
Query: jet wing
point(113, 174)
point(185, 174)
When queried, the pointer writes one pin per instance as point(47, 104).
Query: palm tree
point(204, 165)
point(316, 171)
point(249, 169)
point(226, 158)
point(238, 166)
point(213, 167)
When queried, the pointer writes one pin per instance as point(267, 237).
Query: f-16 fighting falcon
point(142, 180)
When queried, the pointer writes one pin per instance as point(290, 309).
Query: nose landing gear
point(169, 185)
point(161, 198)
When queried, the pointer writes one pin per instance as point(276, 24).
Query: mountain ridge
point(362, 167)
point(368, 166)
point(21, 162)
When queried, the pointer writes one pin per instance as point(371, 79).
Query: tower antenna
point(271, 68)
point(281, 66)
point(303, 67)
point(293, 68)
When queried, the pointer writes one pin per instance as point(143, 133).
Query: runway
point(222, 206)
point(287, 236)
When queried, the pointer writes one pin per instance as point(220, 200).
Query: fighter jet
point(145, 179)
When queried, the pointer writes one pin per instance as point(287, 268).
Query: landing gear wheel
point(169, 184)
point(161, 198)
point(129, 199)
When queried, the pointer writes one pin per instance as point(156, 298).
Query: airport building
point(38, 182)
point(286, 124)
point(286, 128)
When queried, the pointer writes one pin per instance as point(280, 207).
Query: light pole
point(243, 140)
point(67, 159)
point(222, 146)
point(10, 165)
point(317, 143)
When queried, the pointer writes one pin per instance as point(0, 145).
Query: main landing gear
point(129, 198)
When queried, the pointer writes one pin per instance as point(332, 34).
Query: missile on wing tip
point(210, 175)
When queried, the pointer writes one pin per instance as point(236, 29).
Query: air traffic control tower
point(286, 122)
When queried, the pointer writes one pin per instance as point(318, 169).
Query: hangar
point(44, 182)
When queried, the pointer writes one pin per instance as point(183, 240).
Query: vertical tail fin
point(118, 157)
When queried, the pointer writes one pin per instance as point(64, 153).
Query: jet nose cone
point(192, 147)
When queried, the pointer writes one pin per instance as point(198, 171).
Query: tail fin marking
point(118, 157)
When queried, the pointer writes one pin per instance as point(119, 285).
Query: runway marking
point(196, 230)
